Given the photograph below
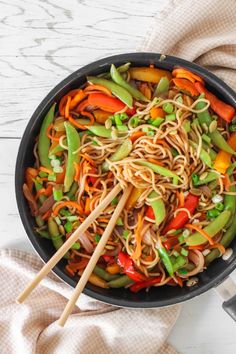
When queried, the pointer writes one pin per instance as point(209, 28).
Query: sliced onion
point(147, 237)
point(206, 191)
point(197, 258)
point(47, 204)
point(85, 242)
point(114, 252)
point(32, 203)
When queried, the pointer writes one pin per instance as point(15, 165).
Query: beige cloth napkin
point(94, 327)
point(203, 31)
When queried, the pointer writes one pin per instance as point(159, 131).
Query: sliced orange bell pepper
point(182, 73)
point(135, 194)
point(157, 112)
point(223, 159)
point(153, 75)
point(186, 85)
point(101, 116)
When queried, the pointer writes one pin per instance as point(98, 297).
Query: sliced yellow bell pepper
point(149, 74)
point(223, 159)
point(135, 194)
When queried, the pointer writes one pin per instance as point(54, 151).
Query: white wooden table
point(41, 42)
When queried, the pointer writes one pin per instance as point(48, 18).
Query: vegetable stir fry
point(168, 136)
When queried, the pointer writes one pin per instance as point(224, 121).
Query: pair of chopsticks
point(71, 240)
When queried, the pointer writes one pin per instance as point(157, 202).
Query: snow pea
point(120, 282)
point(158, 207)
point(211, 229)
point(210, 151)
point(73, 145)
point(204, 156)
point(117, 90)
point(211, 176)
point(225, 241)
point(162, 86)
point(72, 190)
point(44, 141)
point(57, 148)
point(39, 220)
point(166, 260)
point(103, 274)
point(121, 69)
point(118, 79)
point(55, 235)
point(158, 169)
point(217, 139)
point(122, 152)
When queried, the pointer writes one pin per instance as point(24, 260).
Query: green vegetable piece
point(210, 151)
point(158, 169)
point(220, 206)
point(158, 207)
point(174, 152)
point(212, 229)
point(96, 129)
point(68, 226)
point(119, 222)
point(204, 156)
point(43, 233)
point(117, 90)
point(103, 274)
point(134, 121)
point(168, 107)
point(114, 201)
point(122, 152)
point(126, 233)
point(156, 122)
point(180, 261)
point(232, 128)
point(44, 141)
point(97, 238)
point(162, 86)
point(57, 193)
point(118, 79)
point(39, 186)
point(73, 190)
point(39, 221)
point(166, 260)
point(213, 213)
point(76, 246)
point(73, 145)
point(206, 138)
point(184, 252)
point(187, 126)
point(57, 148)
point(120, 282)
point(195, 179)
point(170, 117)
point(55, 235)
point(211, 176)
point(122, 69)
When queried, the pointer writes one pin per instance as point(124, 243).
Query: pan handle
point(227, 290)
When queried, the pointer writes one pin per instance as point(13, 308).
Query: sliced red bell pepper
point(131, 111)
point(150, 213)
point(224, 110)
point(127, 264)
point(92, 179)
point(145, 284)
point(108, 259)
point(107, 103)
point(182, 218)
point(170, 243)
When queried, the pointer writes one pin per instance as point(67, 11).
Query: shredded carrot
point(80, 126)
point(149, 258)
point(136, 135)
point(87, 210)
point(60, 176)
point(49, 135)
point(157, 112)
point(159, 163)
point(100, 230)
point(219, 246)
point(227, 182)
point(69, 270)
point(79, 265)
point(201, 231)
point(138, 250)
point(103, 220)
point(162, 142)
point(67, 107)
point(48, 190)
point(77, 171)
point(67, 204)
point(97, 88)
point(197, 247)
point(87, 158)
point(46, 170)
point(90, 116)
point(180, 196)
point(47, 215)
point(62, 104)
point(185, 74)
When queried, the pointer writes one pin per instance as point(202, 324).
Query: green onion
point(134, 121)
point(156, 122)
point(183, 271)
point(213, 213)
point(184, 252)
point(206, 138)
point(195, 179)
point(175, 181)
point(180, 262)
point(52, 177)
point(58, 221)
point(95, 142)
point(174, 152)
point(57, 194)
point(123, 116)
point(220, 206)
point(180, 99)
point(43, 174)
point(150, 133)
point(187, 126)
point(170, 117)
point(175, 253)
point(72, 218)
point(68, 226)
point(114, 201)
point(65, 212)
point(125, 234)
point(119, 222)
point(232, 128)
point(181, 239)
point(97, 238)
point(145, 129)
point(76, 246)
point(168, 107)
point(118, 121)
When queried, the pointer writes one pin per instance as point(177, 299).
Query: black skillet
point(216, 273)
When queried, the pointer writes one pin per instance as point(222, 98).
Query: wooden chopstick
point(67, 245)
point(93, 260)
